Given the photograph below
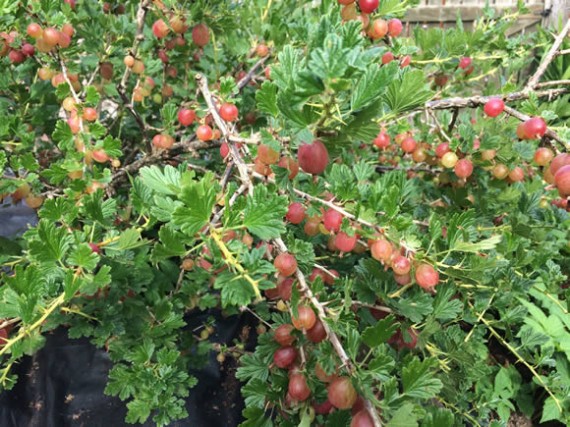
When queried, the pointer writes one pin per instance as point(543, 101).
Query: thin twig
point(533, 81)
point(280, 245)
point(247, 78)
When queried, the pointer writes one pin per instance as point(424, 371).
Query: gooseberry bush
point(389, 202)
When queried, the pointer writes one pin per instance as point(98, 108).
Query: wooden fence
point(443, 13)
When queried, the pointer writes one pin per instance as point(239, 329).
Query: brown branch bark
point(533, 81)
point(247, 182)
point(247, 78)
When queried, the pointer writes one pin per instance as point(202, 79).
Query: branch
point(477, 100)
point(246, 79)
point(177, 148)
point(245, 177)
point(533, 81)
point(141, 14)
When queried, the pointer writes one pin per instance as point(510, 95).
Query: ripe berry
point(322, 375)
point(395, 27)
point(534, 128)
point(341, 393)
point(441, 149)
point(379, 29)
point(517, 174)
point(305, 319)
point(560, 160)
point(298, 388)
point(543, 156)
point(90, 114)
point(160, 29)
point(295, 213)
point(68, 30)
point(332, 220)
point(34, 30)
point(427, 276)
point(16, 57)
point(283, 335)
point(494, 107)
point(100, 156)
point(204, 133)
point(463, 168)
point(317, 333)
point(163, 141)
point(562, 181)
point(362, 419)
point(285, 263)
point(229, 112)
point(267, 155)
point(311, 227)
point(224, 149)
point(465, 62)
point(405, 61)
point(50, 36)
point(401, 265)
point(387, 58)
point(409, 144)
point(28, 49)
point(343, 242)
point(186, 116)
point(402, 279)
point(381, 250)
point(313, 158)
point(285, 288)
point(322, 408)
point(95, 248)
point(200, 35)
point(106, 70)
point(178, 24)
point(368, 6)
point(284, 357)
point(382, 140)
point(262, 50)
point(290, 164)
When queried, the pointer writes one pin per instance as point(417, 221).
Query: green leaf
point(372, 85)
point(165, 181)
point(128, 239)
point(266, 98)
point(378, 334)
point(255, 417)
point(199, 199)
point(329, 61)
point(264, 212)
point(408, 93)
point(550, 411)
point(84, 257)
point(53, 244)
point(482, 245)
point(418, 379)
point(404, 417)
